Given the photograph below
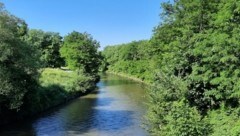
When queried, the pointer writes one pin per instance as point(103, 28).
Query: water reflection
point(112, 80)
point(114, 109)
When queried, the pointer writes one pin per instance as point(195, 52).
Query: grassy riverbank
point(50, 76)
point(56, 87)
point(59, 86)
point(70, 81)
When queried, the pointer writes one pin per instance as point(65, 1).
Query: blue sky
point(108, 21)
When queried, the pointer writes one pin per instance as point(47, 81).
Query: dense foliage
point(194, 61)
point(48, 45)
point(80, 52)
point(26, 85)
point(131, 58)
point(18, 64)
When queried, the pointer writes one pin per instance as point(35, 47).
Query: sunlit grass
point(56, 76)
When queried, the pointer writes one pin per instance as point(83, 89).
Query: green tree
point(198, 42)
point(216, 72)
point(18, 62)
point(196, 50)
point(48, 45)
point(80, 51)
point(132, 58)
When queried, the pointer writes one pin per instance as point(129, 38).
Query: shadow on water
point(81, 118)
point(18, 129)
point(101, 120)
point(76, 118)
point(104, 121)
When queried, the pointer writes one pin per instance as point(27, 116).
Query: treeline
point(31, 75)
point(194, 59)
point(131, 58)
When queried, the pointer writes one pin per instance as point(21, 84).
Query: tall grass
point(63, 78)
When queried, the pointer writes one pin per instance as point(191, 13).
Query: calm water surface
point(115, 109)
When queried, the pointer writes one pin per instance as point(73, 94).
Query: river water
point(116, 108)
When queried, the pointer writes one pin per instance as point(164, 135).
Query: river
point(116, 108)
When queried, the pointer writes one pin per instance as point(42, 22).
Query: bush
point(43, 98)
point(169, 113)
point(183, 120)
point(225, 122)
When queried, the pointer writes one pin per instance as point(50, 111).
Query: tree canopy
point(193, 59)
point(48, 45)
point(80, 51)
point(18, 63)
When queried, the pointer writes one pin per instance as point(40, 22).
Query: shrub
point(169, 113)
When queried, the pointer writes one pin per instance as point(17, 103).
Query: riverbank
point(57, 87)
point(129, 77)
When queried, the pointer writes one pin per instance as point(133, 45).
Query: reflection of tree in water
point(76, 113)
point(81, 116)
point(97, 119)
point(18, 129)
point(104, 120)
point(113, 80)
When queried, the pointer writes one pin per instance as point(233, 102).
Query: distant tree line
point(131, 58)
point(193, 61)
